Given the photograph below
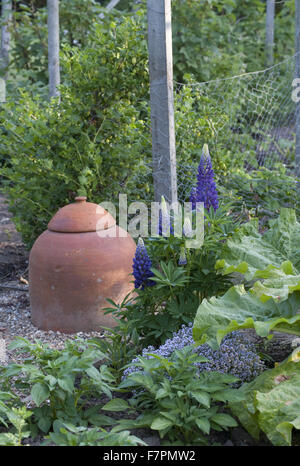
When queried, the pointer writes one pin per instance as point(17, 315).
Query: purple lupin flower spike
point(141, 266)
point(205, 190)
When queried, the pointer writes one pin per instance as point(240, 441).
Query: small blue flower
point(205, 190)
point(235, 356)
point(141, 266)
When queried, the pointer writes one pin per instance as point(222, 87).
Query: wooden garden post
point(53, 47)
point(162, 100)
point(6, 12)
point(270, 17)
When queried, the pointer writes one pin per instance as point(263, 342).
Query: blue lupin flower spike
point(205, 190)
point(141, 266)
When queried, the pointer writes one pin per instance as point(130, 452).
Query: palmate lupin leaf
point(169, 276)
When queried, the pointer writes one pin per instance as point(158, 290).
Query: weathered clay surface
point(72, 274)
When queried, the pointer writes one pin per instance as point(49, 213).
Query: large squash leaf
point(272, 402)
point(239, 309)
point(248, 251)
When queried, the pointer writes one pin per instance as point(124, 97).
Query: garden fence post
point(6, 14)
point(270, 16)
point(112, 4)
point(162, 100)
point(297, 75)
point(53, 47)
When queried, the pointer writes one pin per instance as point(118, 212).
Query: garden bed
point(15, 321)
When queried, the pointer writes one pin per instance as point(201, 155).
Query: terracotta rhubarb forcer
point(82, 259)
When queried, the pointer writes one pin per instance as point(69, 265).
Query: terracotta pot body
point(73, 272)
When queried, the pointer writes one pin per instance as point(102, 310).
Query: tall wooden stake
point(6, 12)
point(53, 47)
point(270, 17)
point(162, 99)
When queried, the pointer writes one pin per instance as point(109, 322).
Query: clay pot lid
point(81, 217)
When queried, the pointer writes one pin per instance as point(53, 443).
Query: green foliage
point(29, 51)
point(212, 53)
point(70, 435)
point(268, 305)
point(120, 344)
point(176, 401)
point(91, 144)
point(14, 419)
point(249, 251)
point(157, 311)
point(261, 192)
point(239, 309)
point(271, 402)
point(60, 383)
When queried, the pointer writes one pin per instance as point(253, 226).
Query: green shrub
point(90, 144)
point(97, 142)
point(29, 51)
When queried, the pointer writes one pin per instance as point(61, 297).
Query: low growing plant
point(177, 401)
point(60, 383)
point(15, 419)
point(70, 435)
point(236, 355)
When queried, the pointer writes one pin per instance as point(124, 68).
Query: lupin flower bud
point(141, 266)
point(193, 197)
point(205, 190)
point(187, 228)
point(165, 226)
point(182, 258)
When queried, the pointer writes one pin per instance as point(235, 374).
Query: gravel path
point(15, 318)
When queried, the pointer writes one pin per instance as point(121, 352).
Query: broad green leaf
point(66, 384)
point(52, 380)
point(285, 428)
point(224, 420)
point(278, 283)
point(203, 424)
point(144, 420)
point(93, 373)
point(39, 393)
point(202, 398)
point(272, 403)
point(239, 309)
point(161, 423)
point(248, 251)
point(8, 439)
point(44, 424)
point(117, 404)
